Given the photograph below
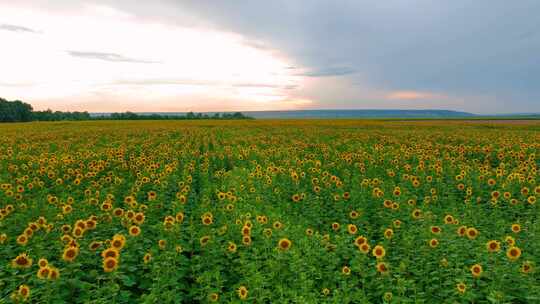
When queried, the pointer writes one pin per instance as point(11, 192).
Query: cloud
point(326, 72)
point(198, 82)
point(410, 95)
point(16, 84)
point(462, 48)
point(112, 57)
point(17, 28)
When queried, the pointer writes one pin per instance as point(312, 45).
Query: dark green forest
point(18, 111)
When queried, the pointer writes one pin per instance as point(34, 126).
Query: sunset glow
point(104, 60)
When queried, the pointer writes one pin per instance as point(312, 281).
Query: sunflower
point(221, 196)
point(513, 253)
point(81, 224)
point(94, 245)
point(22, 239)
point(24, 291)
point(277, 225)
point(78, 232)
point(134, 230)
point(461, 287)
point(284, 244)
point(360, 240)
point(179, 217)
point(364, 248)
point(204, 240)
point(162, 244)
point(118, 241)
point(396, 223)
point(346, 270)
point(242, 292)
point(118, 212)
point(378, 251)
point(246, 240)
point(246, 230)
point(335, 226)
point(3, 238)
point(416, 214)
point(22, 261)
point(232, 247)
point(472, 233)
point(462, 230)
point(354, 214)
point(152, 195)
point(207, 220)
point(436, 229)
point(352, 229)
point(110, 264)
point(295, 198)
point(388, 233)
point(476, 270)
point(28, 232)
point(493, 246)
point(110, 253)
point(510, 240)
point(70, 253)
point(526, 267)
point(213, 297)
point(382, 267)
point(138, 218)
point(43, 272)
point(54, 273)
point(105, 206)
point(91, 224)
point(147, 257)
point(43, 262)
point(516, 228)
point(130, 214)
point(309, 232)
point(433, 243)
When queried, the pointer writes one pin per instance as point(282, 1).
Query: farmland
point(270, 211)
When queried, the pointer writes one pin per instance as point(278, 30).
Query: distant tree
point(15, 111)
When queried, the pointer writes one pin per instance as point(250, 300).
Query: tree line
point(18, 111)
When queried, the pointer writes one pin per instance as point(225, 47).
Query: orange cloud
point(411, 95)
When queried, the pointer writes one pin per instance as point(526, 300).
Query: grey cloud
point(461, 47)
point(17, 28)
point(112, 57)
point(331, 71)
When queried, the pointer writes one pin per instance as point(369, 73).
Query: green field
point(270, 211)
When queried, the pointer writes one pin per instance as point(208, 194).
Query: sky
point(237, 55)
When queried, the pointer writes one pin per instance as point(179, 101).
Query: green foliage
point(13, 111)
point(302, 181)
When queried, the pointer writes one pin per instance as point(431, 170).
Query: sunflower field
point(270, 211)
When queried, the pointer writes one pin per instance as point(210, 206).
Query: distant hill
point(359, 114)
point(299, 114)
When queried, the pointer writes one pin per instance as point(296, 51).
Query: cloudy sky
point(481, 56)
